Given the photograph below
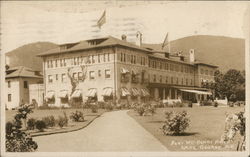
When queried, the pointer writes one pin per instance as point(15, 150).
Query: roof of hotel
point(22, 71)
point(102, 42)
point(153, 49)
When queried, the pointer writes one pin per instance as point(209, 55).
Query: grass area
point(204, 133)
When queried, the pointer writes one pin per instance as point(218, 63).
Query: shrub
point(190, 104)
point(77, 116)
point(151, 109)
point(16, 139)
point(216, 104)
point(94, 108)
point(109, 106)
point(230, 104)
point(175, 123)
point(31, 123)
point(40, 125)
point(235, 124)
point(62, 120)
point(49, 121)
point(140, 110)
point(101, 104)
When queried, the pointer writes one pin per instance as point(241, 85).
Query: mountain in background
point(27, 55)
point(225, 52)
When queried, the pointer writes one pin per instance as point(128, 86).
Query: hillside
point(26, 55)
point(225, 52)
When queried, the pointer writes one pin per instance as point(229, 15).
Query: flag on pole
point(165, 42)
point(102, 20)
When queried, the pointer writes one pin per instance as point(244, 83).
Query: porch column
point(156, 93)
point(170, 93)
point(164, 93)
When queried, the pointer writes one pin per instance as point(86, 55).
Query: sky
point(71, 21)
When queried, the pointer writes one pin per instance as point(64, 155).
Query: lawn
point(204, 133)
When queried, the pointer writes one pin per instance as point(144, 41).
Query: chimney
point(191, 55)
point(138, 38)
point(124, 37)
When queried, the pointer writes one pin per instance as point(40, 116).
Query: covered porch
point(179, 93)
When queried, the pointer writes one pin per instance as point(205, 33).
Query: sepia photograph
point(124, 78)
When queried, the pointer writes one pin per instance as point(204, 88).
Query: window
point(166, 79)
point(93, 59)
point(48, 64)
point(206, 72)
point(202, 71)
point(186, 81)
point(181, 68)
point(64, 62)
point(50, 79)
point(9, 84)
point(99, 73)
point(98, 58)
point(56, 63)
point(160, 78)
point(9, 97)
point(51, 64)
point(91, 75)
point(104, 57)
point(191, 82)
point(182, 81)
point(25, 84)
point(154, 78)
point(108, 57)
point(107, 73)
point(121, 56)
point(211, 73)
point(56, 77)
point(177, 80)
point(80, 76)
point(172, 80)
point(75, 76)
point(63, 78)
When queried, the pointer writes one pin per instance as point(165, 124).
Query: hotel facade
point(113, 69)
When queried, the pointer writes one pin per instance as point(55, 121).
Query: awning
point(135, 92)
point(63, 94)
point(124, 91)
point(124, 71)
point(196, 91)
point(91, 92)
point(50, 95)
point(107, 91)
point(145, 92)
point(77, 93)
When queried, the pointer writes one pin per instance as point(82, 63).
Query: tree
point(230, 85)
point(75, 81)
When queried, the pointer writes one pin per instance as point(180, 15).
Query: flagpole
point(169, 47)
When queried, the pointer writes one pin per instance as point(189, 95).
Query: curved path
point(113, 131)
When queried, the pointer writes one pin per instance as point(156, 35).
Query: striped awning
point(145, 92)
point(196, 91)
point(135, 92)
point(124, 92)
point(77, 93)
point(107, 91)
point(50, 95)
point(124, 71)
point(91, 92)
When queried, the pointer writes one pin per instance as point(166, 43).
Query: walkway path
point(113, 131)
